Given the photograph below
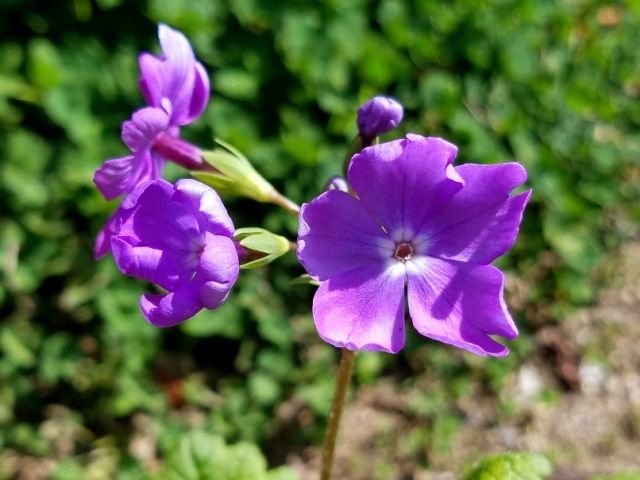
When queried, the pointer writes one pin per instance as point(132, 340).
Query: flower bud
point(257, 246)
point(233, 174)
point(378, 115)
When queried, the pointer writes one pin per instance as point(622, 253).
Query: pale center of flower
point(403, 252)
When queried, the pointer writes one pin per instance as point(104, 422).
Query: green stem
point(345, 369)
point(289, 205)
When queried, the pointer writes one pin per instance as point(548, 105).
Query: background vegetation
point(89, 390)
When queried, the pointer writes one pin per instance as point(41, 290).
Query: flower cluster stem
point(289, 205)
point(343, 380)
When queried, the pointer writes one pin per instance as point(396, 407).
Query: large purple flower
point(179, 237)
point(176, 87)
point(417, 224)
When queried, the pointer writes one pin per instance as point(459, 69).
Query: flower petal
point(404, 182)
point(145, 124)
point(480, 222)
point(103, 239)
point(159, 221)
point(217, 271)
point(204, 200)
point(171, 309)
point(362, 309)
point(175, 47)
point(179, 75)
point(176, 82)
point(116, 176)
point(151, 78)
point(200, 94)
point(337, 234)
point(459, 304)
point(168, 268)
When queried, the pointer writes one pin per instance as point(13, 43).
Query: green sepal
point(234, 174)
point(263, 246)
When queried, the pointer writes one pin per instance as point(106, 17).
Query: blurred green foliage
point(200, 455)
point(511, 466)
point(554, 85)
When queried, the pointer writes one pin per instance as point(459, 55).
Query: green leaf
point(14, 347)
point(511, 466)
point(44, 66)
point(198, 456)
point(202, 456)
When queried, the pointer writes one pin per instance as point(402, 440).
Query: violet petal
point(344, 236)
point(362, 309)
point(207, 206)
point(480, 222)
point(145, 124)
point(170, 309)
point(405, 182)
point(459, 304)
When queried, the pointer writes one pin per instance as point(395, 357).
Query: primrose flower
point(179, 237)
point(416, 223)
point(176, 87)
point(378, 115)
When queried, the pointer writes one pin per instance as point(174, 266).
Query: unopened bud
point(378, 115)
point(257, 246)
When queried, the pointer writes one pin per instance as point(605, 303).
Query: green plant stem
point(289, 205)
point(345, 369)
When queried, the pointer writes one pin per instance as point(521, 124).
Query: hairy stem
point(345, 369)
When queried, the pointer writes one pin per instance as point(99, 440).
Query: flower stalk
point(287, 204)
point(345, 369)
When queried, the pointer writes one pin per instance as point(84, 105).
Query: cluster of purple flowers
point(180, 236)
point(176, 88)
point(406, 226)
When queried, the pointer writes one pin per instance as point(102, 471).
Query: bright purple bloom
point(418, 223)
point(378, 115)
point(179, 237)
point(176, 87)
point(175, 82)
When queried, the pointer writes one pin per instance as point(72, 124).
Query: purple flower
point(418, 224)
point(175, 82)
point(179, 237)
point(177, 90)
point(378, 115)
